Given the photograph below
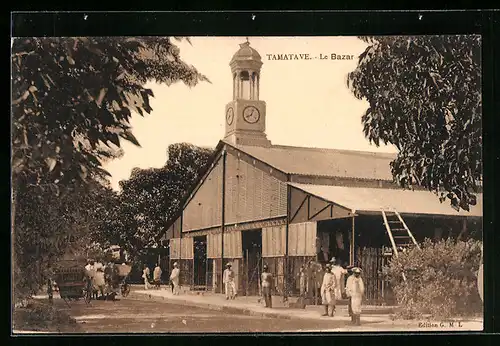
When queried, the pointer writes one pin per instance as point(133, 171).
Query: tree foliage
point(441, 279)
point(150, 198)
point(50, 226)
point(73, 96)
point(424, 95)
point(72, 101)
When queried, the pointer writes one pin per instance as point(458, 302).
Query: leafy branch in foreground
point(424, 95)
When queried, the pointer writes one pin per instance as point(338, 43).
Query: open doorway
point(200, 262)
point(252, 259)
point(333, 240)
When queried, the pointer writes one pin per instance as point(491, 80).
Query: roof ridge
point(347, 151)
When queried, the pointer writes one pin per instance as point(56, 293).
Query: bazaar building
point(285, 206)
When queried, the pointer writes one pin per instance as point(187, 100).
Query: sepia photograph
point(215, 184)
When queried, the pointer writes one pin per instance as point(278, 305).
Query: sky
point(307, 101)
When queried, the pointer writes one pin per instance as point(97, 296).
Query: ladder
point(399, 233)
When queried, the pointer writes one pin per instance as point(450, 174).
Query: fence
point(377, 288)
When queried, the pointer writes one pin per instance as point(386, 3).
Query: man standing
point(157, 276)
point(339, 273)
point(319, 272)
point(145, 276)
point(174, 278)
point(355, 290)
point(267, 279)
point(328, 292)
point(228, 281)
point(99, 281)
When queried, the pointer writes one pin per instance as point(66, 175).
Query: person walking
point(157, 276)
point(174, 278)
point(355, 289)
point(229, 284)
point(145, 276)
point(267, 279)
point(328, 291)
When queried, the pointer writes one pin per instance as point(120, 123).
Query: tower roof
point(246, 53)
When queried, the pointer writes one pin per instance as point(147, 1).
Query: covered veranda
point(348, 225)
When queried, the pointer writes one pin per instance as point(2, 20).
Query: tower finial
point(247, 40)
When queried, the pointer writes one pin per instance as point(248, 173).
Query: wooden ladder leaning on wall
point(399, 234)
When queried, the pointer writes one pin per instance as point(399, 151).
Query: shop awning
point(370, 200)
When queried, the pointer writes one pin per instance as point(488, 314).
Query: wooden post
point(206, 263)
point(351, 245)
point(223, 217)
point(192, 271)
point(180, 249)
point(287, 264)
point(246, 273)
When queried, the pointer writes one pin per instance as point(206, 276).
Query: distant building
point(282, 205)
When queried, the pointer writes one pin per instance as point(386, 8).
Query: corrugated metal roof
point(360, 199)
point(324, 162)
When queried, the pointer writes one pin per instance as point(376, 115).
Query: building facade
point(287, 206)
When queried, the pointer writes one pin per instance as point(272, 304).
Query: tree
point(424, 95)
point(50, 226)
point(72, 96)
point(72, 99)
point(151, 197)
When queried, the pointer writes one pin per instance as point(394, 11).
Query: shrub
point(440, 279)
point(40, 316)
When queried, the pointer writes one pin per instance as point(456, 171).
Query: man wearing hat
point(328, 291)
point(228, 281)
point(267, 279)
point(339, 273)
point(355, 289)
point(174, 278)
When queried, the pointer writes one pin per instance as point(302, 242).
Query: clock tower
point(246, 114)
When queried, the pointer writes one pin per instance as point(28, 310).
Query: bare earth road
point(138, 316)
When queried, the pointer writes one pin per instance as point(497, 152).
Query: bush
point(441, 279)
point(39, 316)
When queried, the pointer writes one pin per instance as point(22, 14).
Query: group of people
point(101, 279)
point(230, 285)
point(328, 282)
point(332, 289)
point(157, 272)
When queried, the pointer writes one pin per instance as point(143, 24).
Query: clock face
point(251, 114)
point(230, 116)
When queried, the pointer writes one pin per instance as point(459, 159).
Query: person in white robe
point(328, 292)
point(99, 281)
point(145, 276)
point(355, 289)
point(339, 273)
point(229, 284)
point(174, 278)
point(157, 276)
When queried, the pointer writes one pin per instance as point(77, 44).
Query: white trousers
point(230, 288)
point(175, 282)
